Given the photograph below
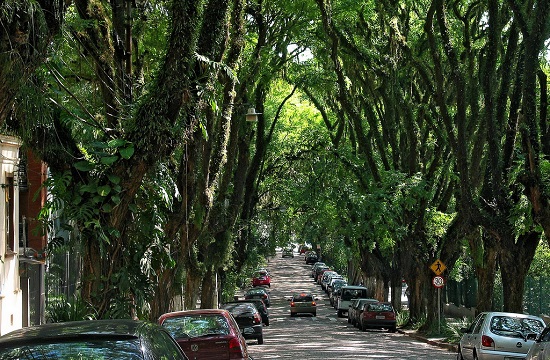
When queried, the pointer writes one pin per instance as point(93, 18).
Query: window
point(9, 210)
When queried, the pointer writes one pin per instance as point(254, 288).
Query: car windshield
point(240, 308)
point(190, 326)
point(89, 349)
point(515, 326)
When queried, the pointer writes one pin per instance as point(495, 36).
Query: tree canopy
point(391, 134)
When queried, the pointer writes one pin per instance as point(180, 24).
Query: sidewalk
point(439, 342)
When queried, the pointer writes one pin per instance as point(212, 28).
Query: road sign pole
point(439, 310)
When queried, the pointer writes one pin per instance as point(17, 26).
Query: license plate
point(380, 317)
point(248, 331)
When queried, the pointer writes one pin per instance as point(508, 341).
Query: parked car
point(249, 320)
point(315, 266)
point(92, 339)
point(378, 315)
point(303, 303)
point(540, 350)
point(328, 277)
point(258, 293)
point(261, 278)
point(334, 282)
point(206, 334)
point(334, 293)
point(356, 310)
point(499, 335)
point(260, 306)
point(288, 253)
point(311, 258)
point(320, 275)
point(347, 294)
point(302, 249)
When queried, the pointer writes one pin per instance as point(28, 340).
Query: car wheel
point(314, 314)
point(363, 327)
point(261, 340)
point(292, 314)
point(340, 313)
point(475, 355)
point(349, 320)
point(267, 323)
point(392, 329)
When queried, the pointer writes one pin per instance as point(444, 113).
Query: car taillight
point(264, 296)
point(487, 341)
point(257, 318)
point(313, 303)
point(292, 304)
point(235, 350)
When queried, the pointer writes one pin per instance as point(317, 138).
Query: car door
point(541, 348)
point(472, 337)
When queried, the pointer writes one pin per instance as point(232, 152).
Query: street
point(325, 336)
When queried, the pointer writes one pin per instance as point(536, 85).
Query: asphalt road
point(325, 336)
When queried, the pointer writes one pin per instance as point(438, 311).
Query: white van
point(347, 294)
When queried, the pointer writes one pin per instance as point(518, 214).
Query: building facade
point(11, 294)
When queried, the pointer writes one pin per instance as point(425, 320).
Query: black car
point(311, 258)
point(248, 318)
point(92, 339)
point(260, 306)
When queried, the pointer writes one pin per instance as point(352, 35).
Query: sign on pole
point(438, 267)
point(438, 281)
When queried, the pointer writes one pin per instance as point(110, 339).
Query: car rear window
point(189, 326)
point(515, 326)
point(379, 307)
point(349, 294)
point(89, 349)
point(302, 298)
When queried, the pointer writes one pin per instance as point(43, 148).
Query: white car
point(499, 335)
point(540, 350)
point(347, 294)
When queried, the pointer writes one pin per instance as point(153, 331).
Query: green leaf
point(117, 143)
point(91, 188)
point(84, 165)
point(109, 160)
point(107, 208)
point(115, 199)
point(127, 152)
point(114, 179)
point(104, 190)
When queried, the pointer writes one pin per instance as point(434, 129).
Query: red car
point(206, 334)
point(378, 315)
point(261, 278)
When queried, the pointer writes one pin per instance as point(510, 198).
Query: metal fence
point(536, 299)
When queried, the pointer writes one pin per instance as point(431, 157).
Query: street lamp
point(252, 115)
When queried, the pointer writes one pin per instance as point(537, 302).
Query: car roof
point(194, 312)
point(75, 329)
point(353, 287)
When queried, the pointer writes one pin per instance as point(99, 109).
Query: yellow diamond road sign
point(438, 267)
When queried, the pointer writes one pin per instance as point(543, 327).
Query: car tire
point(292, 314)
point(261, 340)
point(267, 322)
point(363, 327)
point(340, 313)
point(392, 329)
point(475, 355)
point(349, 320)
point(314, 314)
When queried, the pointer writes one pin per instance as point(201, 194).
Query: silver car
point(499, 335)
point(541, 348)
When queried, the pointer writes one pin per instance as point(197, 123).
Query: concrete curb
point(440, 344)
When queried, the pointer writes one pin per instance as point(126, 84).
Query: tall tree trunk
point(515, 260)
point(209, 290)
